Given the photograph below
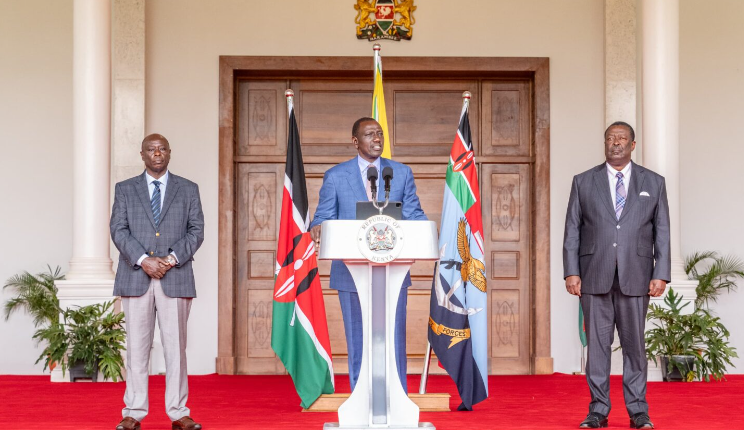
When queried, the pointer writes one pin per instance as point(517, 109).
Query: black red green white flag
point(299, 331)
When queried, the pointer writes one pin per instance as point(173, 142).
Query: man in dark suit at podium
point(343, 186)
point(615, 256)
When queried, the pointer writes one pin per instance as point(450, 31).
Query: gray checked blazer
point(595, 241)
point(133, 231)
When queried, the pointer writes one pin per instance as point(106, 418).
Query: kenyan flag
point(299, 331)
point(458, 317)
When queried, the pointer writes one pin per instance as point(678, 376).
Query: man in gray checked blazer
point(616, 255)
point(157, 224)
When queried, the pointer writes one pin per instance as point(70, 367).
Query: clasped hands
point(655, 288)
point(315, 235)
point(155, 267)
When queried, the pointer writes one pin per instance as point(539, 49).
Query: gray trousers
point(602, 313)
point(172, 314)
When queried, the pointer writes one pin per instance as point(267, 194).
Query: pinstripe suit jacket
point(181, 230)
point(342, 188)
point(595, 241)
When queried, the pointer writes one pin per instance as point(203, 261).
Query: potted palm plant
point(695, 345)
point(37, 295)
point(688, 346)
point(91, 338)
point(715, 274)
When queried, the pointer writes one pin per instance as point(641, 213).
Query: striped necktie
point(155, 203)
point(620, 195)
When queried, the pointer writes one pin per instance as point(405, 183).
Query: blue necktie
point(620, 195)
point(155, 203)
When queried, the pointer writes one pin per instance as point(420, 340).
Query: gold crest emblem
point(472, 269)
point(384, 19)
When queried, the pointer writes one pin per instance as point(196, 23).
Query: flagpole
point(425, 372)
point(583, 362)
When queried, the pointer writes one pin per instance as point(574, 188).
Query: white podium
point(379, 252)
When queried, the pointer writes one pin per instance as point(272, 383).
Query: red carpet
point(269, 402)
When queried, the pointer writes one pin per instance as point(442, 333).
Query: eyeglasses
point(613, 138)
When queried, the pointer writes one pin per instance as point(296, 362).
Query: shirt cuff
point(174, 256)
point(139, 262)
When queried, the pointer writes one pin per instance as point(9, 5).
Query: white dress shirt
point(363, 165)
point(163, 184)
point(611, 174)
point(151, 189)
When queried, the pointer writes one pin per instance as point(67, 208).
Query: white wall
point(711, 148)
point(35, 155)
point(186, 37)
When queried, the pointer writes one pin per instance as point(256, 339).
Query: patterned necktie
point(620, 195)
point(155, 202)
point(368, 186)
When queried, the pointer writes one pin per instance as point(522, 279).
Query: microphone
point(372, 178)
point(387, 175)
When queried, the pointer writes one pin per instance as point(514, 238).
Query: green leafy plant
point(92, 334)
point(698, 334)
point(714, 274)
point(36, 294)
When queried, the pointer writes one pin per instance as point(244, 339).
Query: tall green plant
point(92, 334)
point(715, 274)
point(36, 294)
point(699, 334)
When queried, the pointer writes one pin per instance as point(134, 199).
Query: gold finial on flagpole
point(290, 100)
point(466, 99)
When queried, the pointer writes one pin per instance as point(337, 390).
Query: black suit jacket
point(596, 242)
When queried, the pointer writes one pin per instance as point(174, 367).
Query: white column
point(621, 83)
point(91, 97)
point(620, 62)
point(90, 279)
point(661, 121)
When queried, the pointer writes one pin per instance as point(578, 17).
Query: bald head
point(152, 138)
point(156, 154)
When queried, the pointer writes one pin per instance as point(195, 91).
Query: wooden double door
point(422, 117)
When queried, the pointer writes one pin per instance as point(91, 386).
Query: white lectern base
point(335, 426)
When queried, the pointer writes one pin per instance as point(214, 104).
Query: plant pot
point(685, 362)
point(77, 371)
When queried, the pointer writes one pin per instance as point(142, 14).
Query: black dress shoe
point(594, 421)
point(641, 421)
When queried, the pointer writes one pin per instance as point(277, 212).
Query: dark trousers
point(352, 313)
point(602, 313)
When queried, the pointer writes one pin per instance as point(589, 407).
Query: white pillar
point(91, 95)
point(621, 84)
point(620, 63)
point(90, 279)
point(661, 120)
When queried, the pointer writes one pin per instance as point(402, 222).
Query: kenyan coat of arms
point(384, 19)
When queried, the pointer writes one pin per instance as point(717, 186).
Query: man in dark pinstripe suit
point(157, 225)
point(616, 255)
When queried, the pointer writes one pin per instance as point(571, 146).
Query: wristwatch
point(171, 260)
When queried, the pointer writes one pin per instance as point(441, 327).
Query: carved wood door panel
point(506, 220)
point(422, 118)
